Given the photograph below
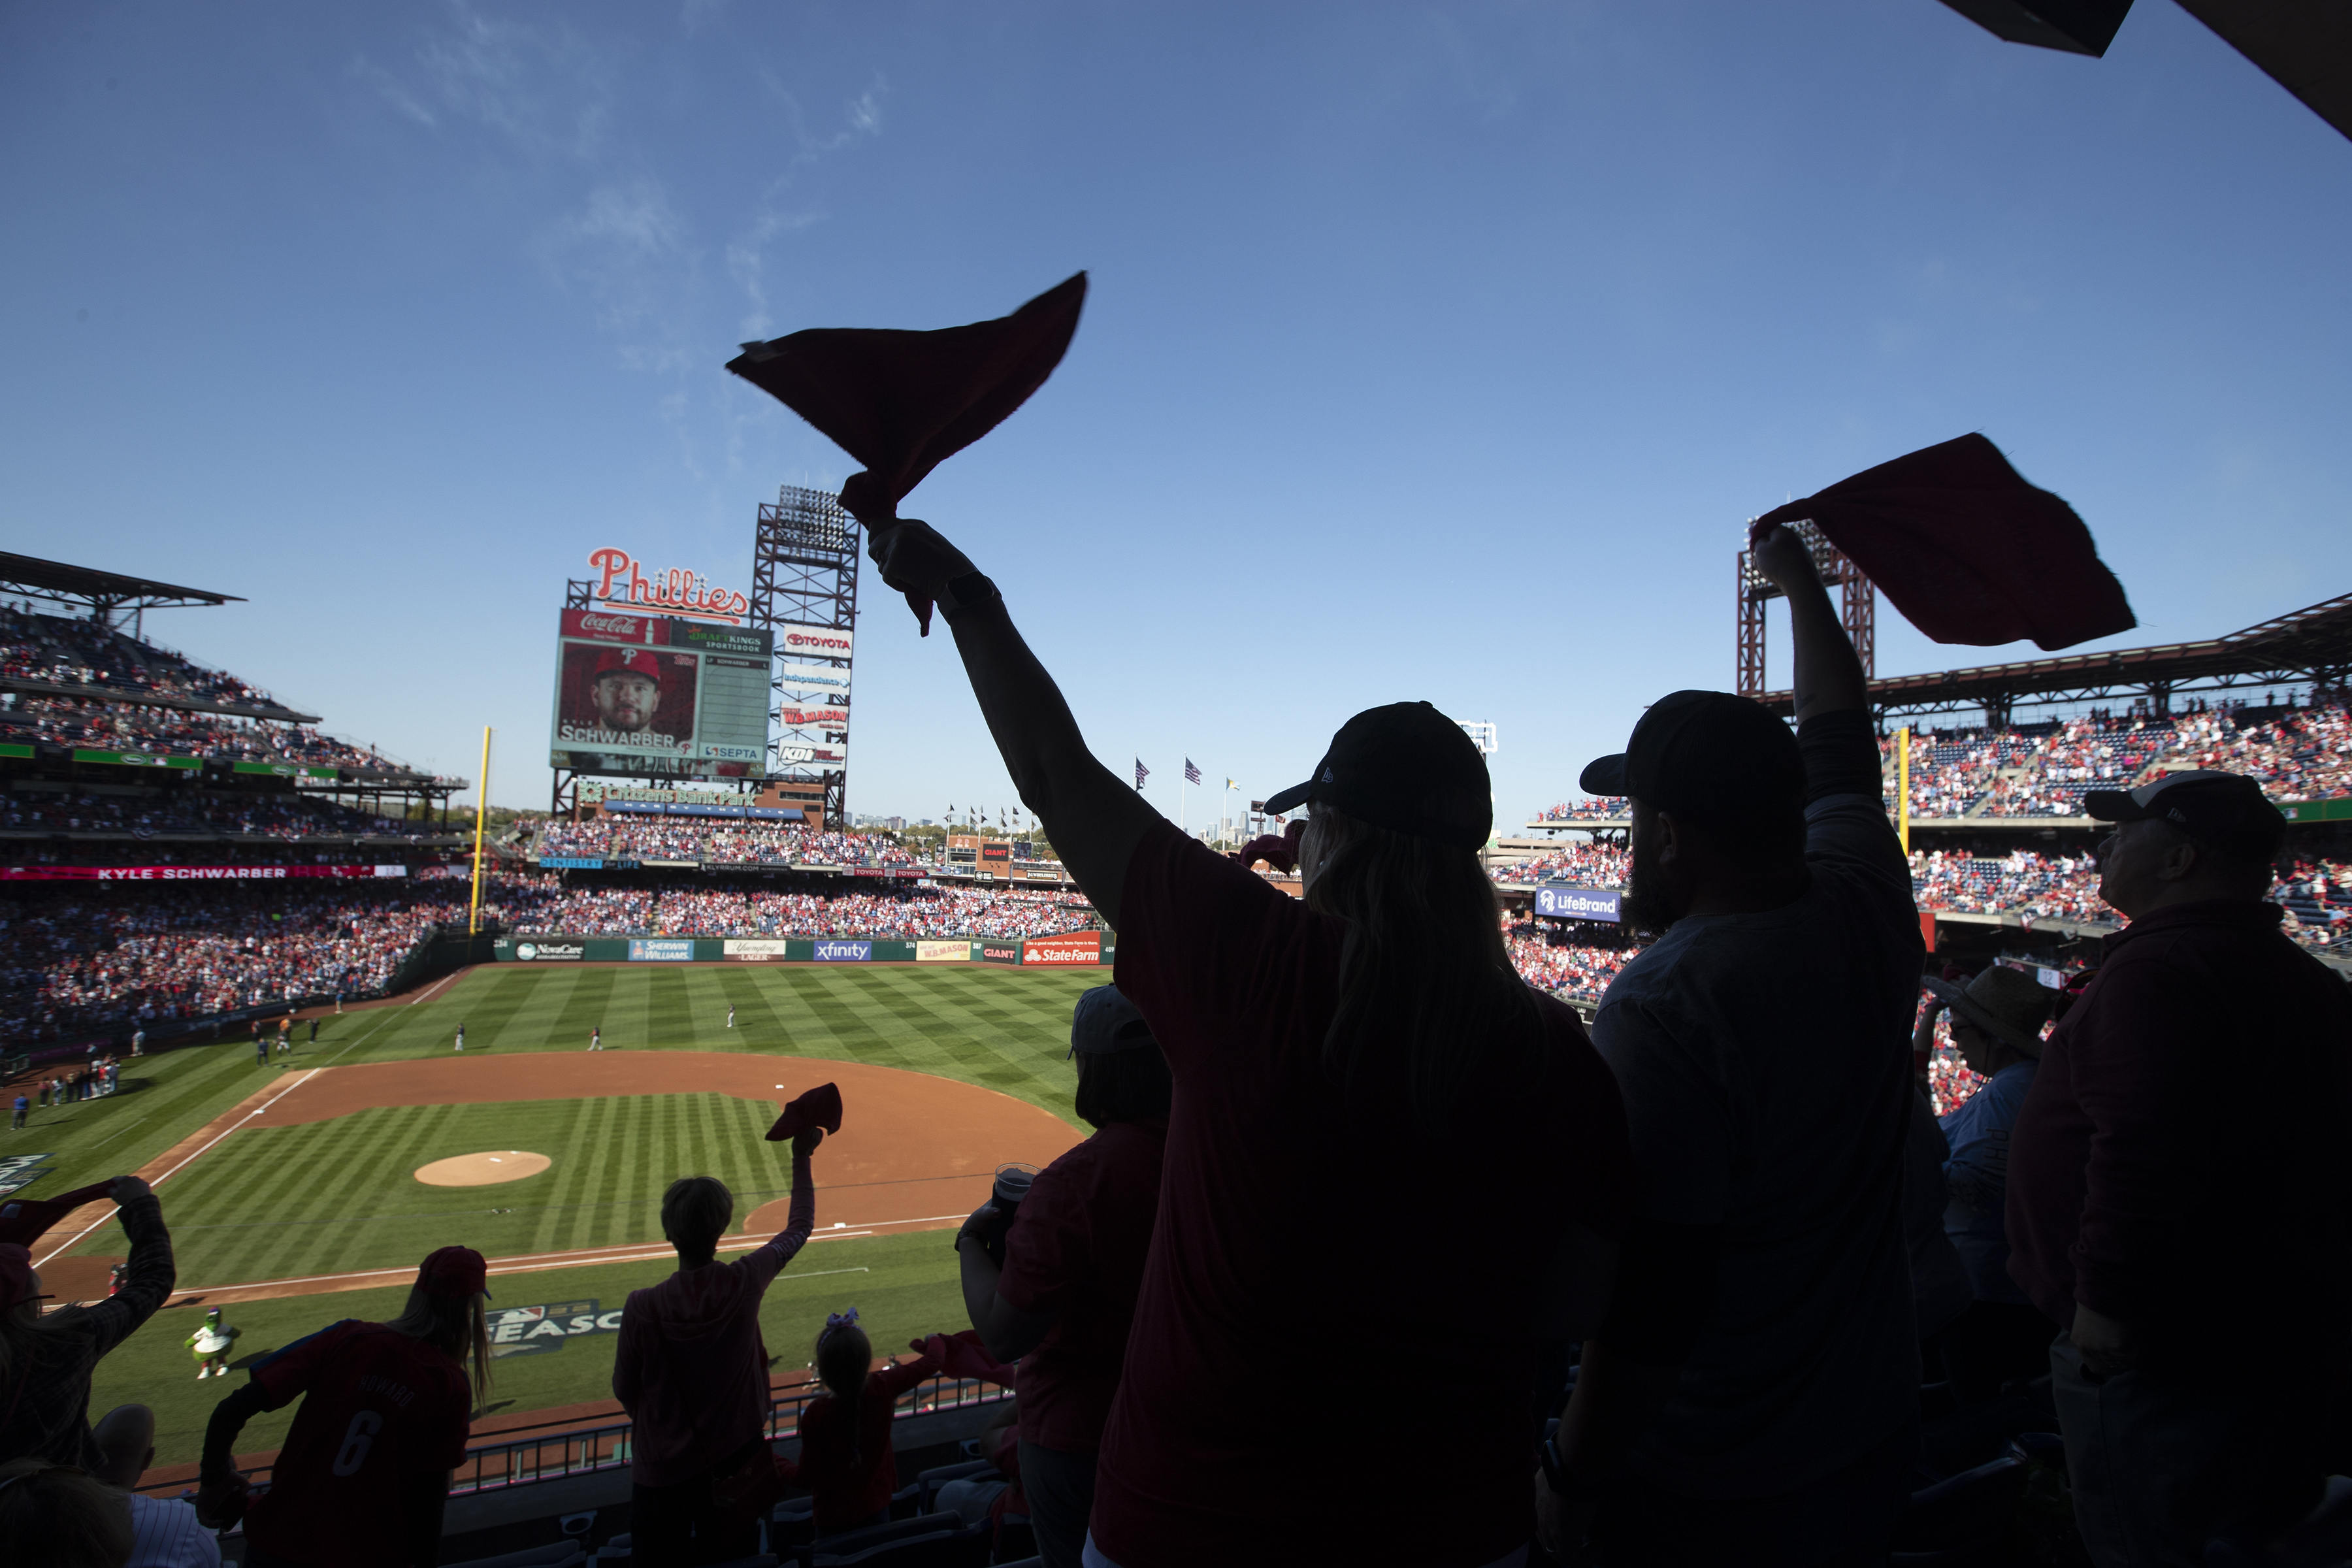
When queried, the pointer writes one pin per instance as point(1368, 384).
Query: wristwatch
point(961, 594)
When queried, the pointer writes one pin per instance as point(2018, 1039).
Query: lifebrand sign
point(1580, 904)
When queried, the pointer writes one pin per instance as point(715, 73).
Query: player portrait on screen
point(632, 700)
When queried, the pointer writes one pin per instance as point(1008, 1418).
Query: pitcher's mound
point(482, 1169)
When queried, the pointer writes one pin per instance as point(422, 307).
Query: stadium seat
point(855, 1540)
point(1962, 1522)
point(557, 1554)
point(928, 1483)
point(938, 1549)
point(617, 1550)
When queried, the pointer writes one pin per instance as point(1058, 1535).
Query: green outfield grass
point(329, 1197)
point(903, 1287)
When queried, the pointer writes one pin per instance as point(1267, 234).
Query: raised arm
point(151, 1274)
point(801, 1219)
point(1094, 820)
point(1829, 674)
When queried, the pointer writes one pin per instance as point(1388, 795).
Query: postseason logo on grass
point(20, 1170)
point(535, 1331)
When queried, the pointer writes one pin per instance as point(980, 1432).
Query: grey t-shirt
point(1765, 1061)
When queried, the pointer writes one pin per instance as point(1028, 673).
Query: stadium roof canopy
point(2312, 645)
point(105, 595)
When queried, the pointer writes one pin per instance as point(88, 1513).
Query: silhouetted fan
point(902, 402)
point(1967, 549)
point(22, 1220)
point(820, 1107)
point(963, 1355)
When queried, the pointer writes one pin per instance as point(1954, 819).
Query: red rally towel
point(820, 1107)
point(902, 402)
point(22, 1220)
point(963, 1355)
point(1967, 549)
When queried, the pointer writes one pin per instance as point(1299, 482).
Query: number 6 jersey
point(382, 1416)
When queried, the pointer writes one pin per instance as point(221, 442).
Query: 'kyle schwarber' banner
point(187, 873)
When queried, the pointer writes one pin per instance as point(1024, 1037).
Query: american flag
point(1142, 773)
point(1192, 773)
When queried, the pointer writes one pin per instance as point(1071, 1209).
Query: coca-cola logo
point(624, 626)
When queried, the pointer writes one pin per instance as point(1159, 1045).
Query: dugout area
point(311, 1210)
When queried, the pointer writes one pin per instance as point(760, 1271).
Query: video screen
point(653, 695)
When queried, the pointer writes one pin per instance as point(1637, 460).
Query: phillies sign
point(678, 592)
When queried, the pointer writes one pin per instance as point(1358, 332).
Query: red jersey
point(1314, 1269)
point(1076, 1247)
point(381, 1413)
point(849, 1491)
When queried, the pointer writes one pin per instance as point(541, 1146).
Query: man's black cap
point(2227, 810)
point(1709, 754)
point(1405, 767)
point(1105, 1022)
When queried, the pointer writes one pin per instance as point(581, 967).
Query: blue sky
point(1431, 353)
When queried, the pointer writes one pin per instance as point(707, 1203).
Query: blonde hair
point(457, 1326)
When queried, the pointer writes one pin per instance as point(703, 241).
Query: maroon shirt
point(1076, 1247)
point(852, 1487)
point(1312, 1274)
point(380, 1413)
point(2182, 1160)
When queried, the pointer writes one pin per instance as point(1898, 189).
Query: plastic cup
point(1013, 1184)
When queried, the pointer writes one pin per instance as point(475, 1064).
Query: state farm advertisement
point(1077, 947)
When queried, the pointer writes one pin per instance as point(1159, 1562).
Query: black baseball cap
point(1105, 1021)
point(2227, 810)
point(1708, 753)
point(1405, 767)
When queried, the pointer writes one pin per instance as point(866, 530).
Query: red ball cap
point(642, 661)
point(454, 1271)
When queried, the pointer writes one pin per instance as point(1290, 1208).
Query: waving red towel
point(820, 1107)
point(963, 1355)
point(23, 1220)
point(902, 402)
point(1967, 549)
point(1281, 853)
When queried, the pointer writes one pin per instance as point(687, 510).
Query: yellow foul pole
point(1903, 786)
point(481, 820)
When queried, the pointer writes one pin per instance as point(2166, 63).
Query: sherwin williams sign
point(1580, 903)
point(643, 951)
point(1079, 947)
point(842, 952)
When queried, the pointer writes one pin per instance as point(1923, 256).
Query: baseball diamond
point(293, 1192)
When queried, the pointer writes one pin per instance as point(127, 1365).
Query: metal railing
point(552, 1450)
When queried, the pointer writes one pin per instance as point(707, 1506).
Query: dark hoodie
point(690, 1368)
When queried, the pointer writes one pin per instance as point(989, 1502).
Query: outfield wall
point(1080, 948)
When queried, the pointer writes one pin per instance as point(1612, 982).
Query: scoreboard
point(657, 694)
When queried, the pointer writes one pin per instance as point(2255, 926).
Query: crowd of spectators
point(1588, 865)
point(144, 814)
point(916, 913)
point(2043, 770)
point(73, 651)
point(1590, 808)
point(98, 724)
point(718, 839)
point(113, 956)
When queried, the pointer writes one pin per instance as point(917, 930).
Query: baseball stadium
point(1846, 1124)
